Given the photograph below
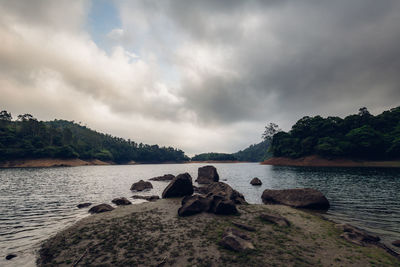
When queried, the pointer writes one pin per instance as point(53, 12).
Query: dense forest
point(27, 137)
point(358, 136)
point(214, 156)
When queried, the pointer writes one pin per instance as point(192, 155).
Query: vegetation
point(29, 138)
point(361, 136)
point(254, 153)
point(214, 156)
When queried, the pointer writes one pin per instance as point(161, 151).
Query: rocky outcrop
point(165, 177)
point(274, 219)
point(101, 208)
point(306, 198)
point(356, 235)
point(396, 243)
point(180, 186)
point(207, 175)
point(141, 185)
point(194, 204)
point(83, 205)
point(235, 240)
point(121, 201)
point(255, 181)
point(224, 190)
point(148, 198)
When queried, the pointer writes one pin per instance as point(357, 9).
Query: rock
point(207, 175)
point(10, 256)
point(193, 205)
point(141, 185)
point(83, 205)
point(231, 240)
point(221, 205)
point(223, 189)
point(396, 243)
point(356, 235)
point(306, 198)
point(121, 201)
point(165, 177)
point(148, 198)
point(200, 190)
point(244, 226)
point(275, 219)
point(180, 186)
point(236, 232)
point(101, 208)
point(256, 181)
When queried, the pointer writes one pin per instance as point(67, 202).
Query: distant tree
point(26, 117)
point(363, 111)
point(270, 130)
point(5, 116)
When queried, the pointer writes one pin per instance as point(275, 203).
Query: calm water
point(36, 203)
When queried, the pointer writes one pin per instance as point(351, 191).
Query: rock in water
point(256, 181)
point(180, 186)
point(193, 205)
point(275, 219)
point(236, 241)
point(83, 205)
point(10, 256)
point(101, 208)
point(165, 177)
point(148, 198)
point(306, 198)
point(207, 175)
point(121, 201)
point(141, 185)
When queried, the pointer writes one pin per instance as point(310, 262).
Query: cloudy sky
point(199, 75)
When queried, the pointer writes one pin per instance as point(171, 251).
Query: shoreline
point(316, 161)
point(151, 233)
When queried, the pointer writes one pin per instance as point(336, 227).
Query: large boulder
point(165, 177)
point(141, 185)
point(193, 205)
point(180, 186)
point(236, 241)
point(121, 201)
point(207, 175)
point(224, 190)
point(101, 208)
point(306, 198)
point(148, 198)
point(255, 181)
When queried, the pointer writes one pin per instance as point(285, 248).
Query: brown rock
point(255, 181)
point(101, 208)
point(200, 190)
point(180, 186)
point(221, 205)
point(244, 226)
point(233, 240)
point(356, 235)
point(83, 205)
point(193, 205)
point(121, 201)
point(141, 185)
point(306, 198)
point(148, 198)
point(275, 219)
point(207, 175)
point(165, 177)
point(224, 190)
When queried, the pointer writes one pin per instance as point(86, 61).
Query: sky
point(202, 76)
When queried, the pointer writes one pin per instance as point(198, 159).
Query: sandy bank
point(25, 163)
point(316, 161)
point(151, 234)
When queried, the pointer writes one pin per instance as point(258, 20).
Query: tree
point(363, 111)
point(26, 117)
point(5, 116)
point(270, 130)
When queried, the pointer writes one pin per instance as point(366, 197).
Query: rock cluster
point(141, 185)
point(306, 198)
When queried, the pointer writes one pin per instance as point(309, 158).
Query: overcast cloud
point(199, 75)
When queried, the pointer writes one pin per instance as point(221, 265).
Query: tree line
point(358, 136)
point(27, 137)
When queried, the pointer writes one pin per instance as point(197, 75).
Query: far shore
point(316, 161)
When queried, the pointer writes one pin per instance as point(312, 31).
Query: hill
point(28, 138)
point(254, 153)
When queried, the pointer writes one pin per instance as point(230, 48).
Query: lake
point(35, 203)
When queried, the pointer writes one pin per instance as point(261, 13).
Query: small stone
point(83, 205)
point(10, 256)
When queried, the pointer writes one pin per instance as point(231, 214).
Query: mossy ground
point(151, 234)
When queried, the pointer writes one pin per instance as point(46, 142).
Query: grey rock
point(180, 186)
point(121, 201)
point(141, 185)
point(101, 208)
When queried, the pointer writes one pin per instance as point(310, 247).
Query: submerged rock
point(121, 201)
point(180, 186)
point(148, 198)
point(306, 198)
point(83, 205)
point(141, 185)
point(207, 175)
point(165, 177)
point(101, 208)
point(275, 219)
point(255, 181)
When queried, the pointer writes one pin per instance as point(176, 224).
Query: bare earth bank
point(151, 234)
point(316, 161)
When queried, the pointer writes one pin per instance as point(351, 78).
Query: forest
point(26, 137)
point(357, 136)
